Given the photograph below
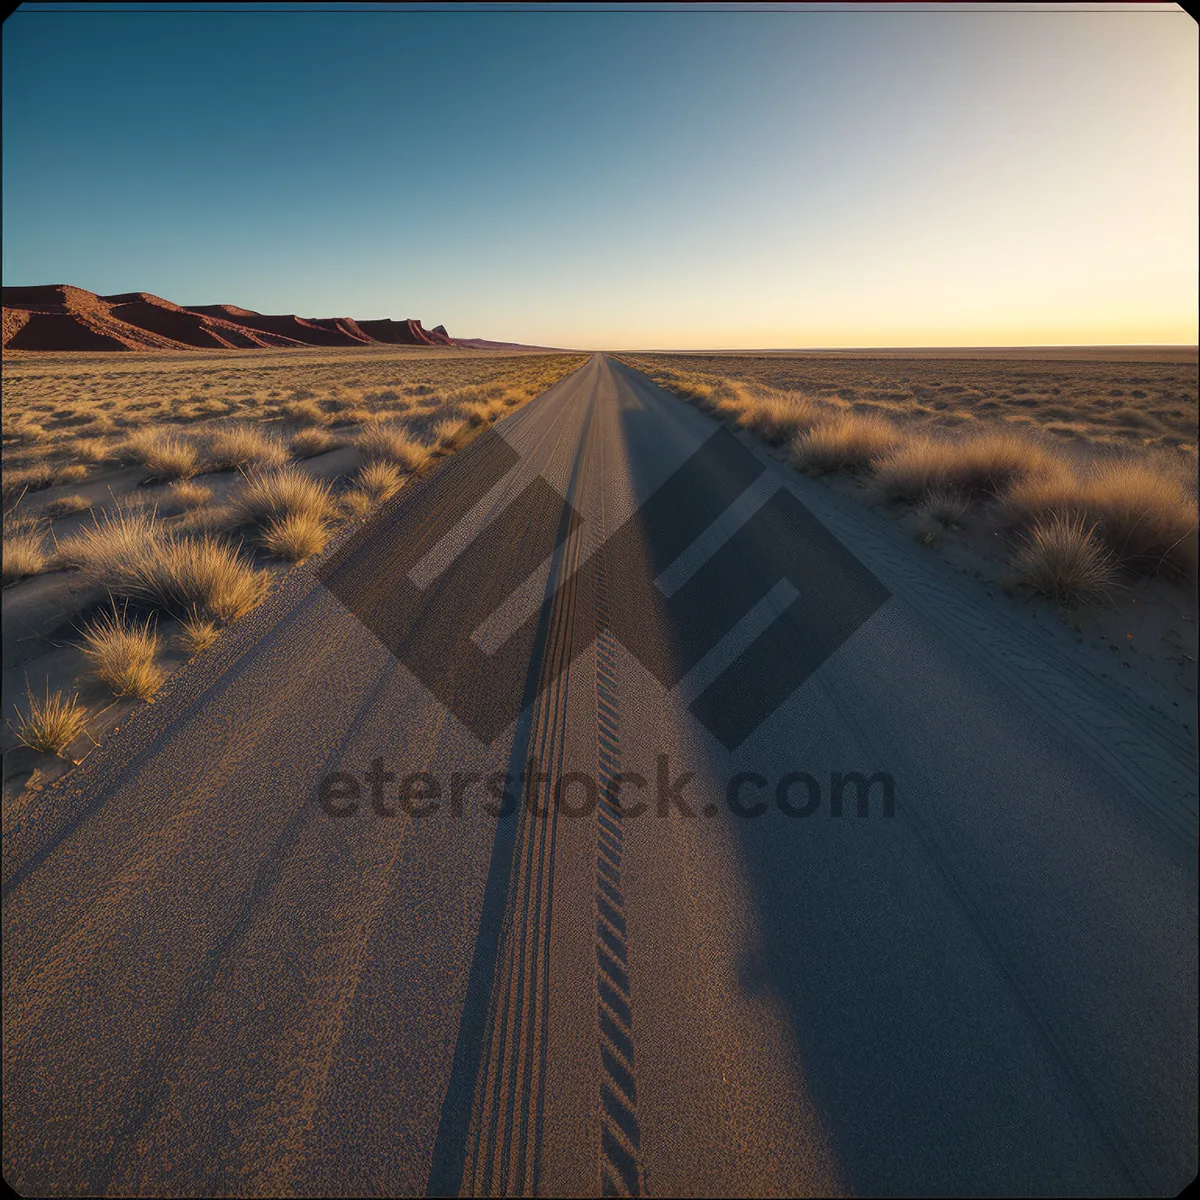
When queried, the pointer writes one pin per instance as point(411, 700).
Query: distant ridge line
point(59, 317)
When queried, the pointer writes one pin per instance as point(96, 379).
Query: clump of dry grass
point(844, 442)
point(380, 481)
point(947, 509)
point(355, 504)
point(98, 549)
point(92, 449)
point(304, 412)
point(24, 549)
point(242, 445)
point(195, 574)
point(982, 465)
point(67, 506)
point(296, 536)
point(122, 652)
point(1144, 515)
point(312, 441)
point(444, 432)
point(71, 473)
point(780, 418)
point(131, 556)
point(23, 428)
point(389, 442)
point(33, 478)
point(164, 455)
point(355, 414)
point(270, 496)
point(51, 724)
point(186, 493)
point(197, 634)
point(1063, 559)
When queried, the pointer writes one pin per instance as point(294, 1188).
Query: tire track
point(504, 1141)
point(620, 1164)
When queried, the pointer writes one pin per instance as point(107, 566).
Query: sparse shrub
point(164, 455)
point(272, 495)
point(312, 441)
point(844, 442)
point(1063, 559)
point(67, 506)
point(980, 465)
point(355, 503)
point(379, 481)
point(296, 536)
point(186, 493)
point(947, 509)
point(24, 550)
point(242, 446)
point(778, 419)
point(51, 724)
point(386, 442)
point(197, 634)
point(305, 412)
point(134, 558)
point(121, 652)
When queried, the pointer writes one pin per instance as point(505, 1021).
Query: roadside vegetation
point(155, 499)
point(1086, 491)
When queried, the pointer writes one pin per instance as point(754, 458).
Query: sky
point(808, 176)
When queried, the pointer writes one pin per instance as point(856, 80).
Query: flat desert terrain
point(108, 453)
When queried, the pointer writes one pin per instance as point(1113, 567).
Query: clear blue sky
point(619, 179)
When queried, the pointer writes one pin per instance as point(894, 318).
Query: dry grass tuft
point(982, 465)
point(24, 550)
point(67, 506)
point(844, 442)
point(197, 634)
point(242, 445)
point(122, 654)
point(186, 493)
point(33, 478)
point(1063, 559)
point(200, 574)
point(312, 441)
point(295, 537)
point(305, 412)
point(270, 496)
point(51, 724)
point(133, 558)
point(71, 473)
point(1145, 516)
point(947, 509)
point(164, 455)
point(778, 419)
point(355, 504)
point(98, 549)
point(444, 432)
point(392, 443)
point(380, 481)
